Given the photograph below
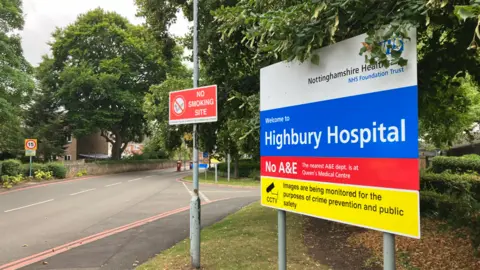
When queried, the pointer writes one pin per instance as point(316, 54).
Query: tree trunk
point(117, 147)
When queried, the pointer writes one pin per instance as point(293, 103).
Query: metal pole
point(216, 174)
point(228, 167)
point(388, 251)
point(282, 240)
point(195, 202)
point(30, 166)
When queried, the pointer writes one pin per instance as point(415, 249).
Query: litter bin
point(191, 165)
point(179, 166)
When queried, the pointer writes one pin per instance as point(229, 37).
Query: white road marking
point(136, 179)
point(73, 194)
point(15, 209)
point(149, 176)
point(205, 198)
point(113, 184)
point(191, 193)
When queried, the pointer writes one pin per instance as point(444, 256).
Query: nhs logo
point(395, 44)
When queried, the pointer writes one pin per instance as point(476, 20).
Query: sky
point(43, 16)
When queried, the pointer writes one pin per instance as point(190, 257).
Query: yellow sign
point(387, 210)
point(31, 144)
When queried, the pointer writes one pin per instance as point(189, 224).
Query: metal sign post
point(388, 251)
point(282, 240)
point(195, 202)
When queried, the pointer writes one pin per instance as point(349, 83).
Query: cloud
point(43, 16)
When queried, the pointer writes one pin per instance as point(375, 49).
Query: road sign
point(197, 105)
point(30, 153)
point(339, 140)
point(205, 154)
point(30, 144)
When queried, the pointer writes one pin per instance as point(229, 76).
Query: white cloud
point(43, 16)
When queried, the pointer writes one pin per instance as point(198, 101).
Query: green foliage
point(455, 165)
point(246, 168)
point(10, 128)
point(11, 167)
point(58, 170)
point(459, 212)
point(35, 168)
point(472, 156)
point(156, 108)
point(82, 173)
point(455, 185)
point(10, 181)
point(41, 175)
point(44, 119)
point(110, 64)
point(16, 82)
point(293, 30)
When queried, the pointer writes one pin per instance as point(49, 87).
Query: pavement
point(109, 222)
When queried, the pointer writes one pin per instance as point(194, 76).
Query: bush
point(82, 173)
point(10, 181)
point(246, 167)
point(58, 170)
point(11, 167)
point(459, 212)
point(455, 165)
point(455, 185)
point(35, 168)
point(472, 156)
point(41, 175)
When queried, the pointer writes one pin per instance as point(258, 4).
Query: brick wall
point(71, 150)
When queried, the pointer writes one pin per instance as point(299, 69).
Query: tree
point(102, 68)
point(292, 30)
point(229, 64)
point(45, 120)
point(156, 108)
point(16, 83)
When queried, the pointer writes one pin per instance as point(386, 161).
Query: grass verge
point(223, 180)
point(244, 240)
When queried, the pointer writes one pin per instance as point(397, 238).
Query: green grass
point(244, 240)
point(223, 180)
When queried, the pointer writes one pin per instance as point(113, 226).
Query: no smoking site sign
point(197, 105)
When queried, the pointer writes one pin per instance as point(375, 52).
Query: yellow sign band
point(388, 210)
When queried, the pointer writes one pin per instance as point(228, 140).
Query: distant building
point(133, 149)
point(92, 146)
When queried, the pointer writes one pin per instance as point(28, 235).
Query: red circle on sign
point(178, 105)
point(30, 144)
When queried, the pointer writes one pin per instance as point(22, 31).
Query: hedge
point(35, 168)
point(58, 170)
point(455, 185)
point(455, 164)
point(459, 212)
point(11, 167)
point(246, 168)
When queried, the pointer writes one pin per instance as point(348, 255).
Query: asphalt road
point(43, 218)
